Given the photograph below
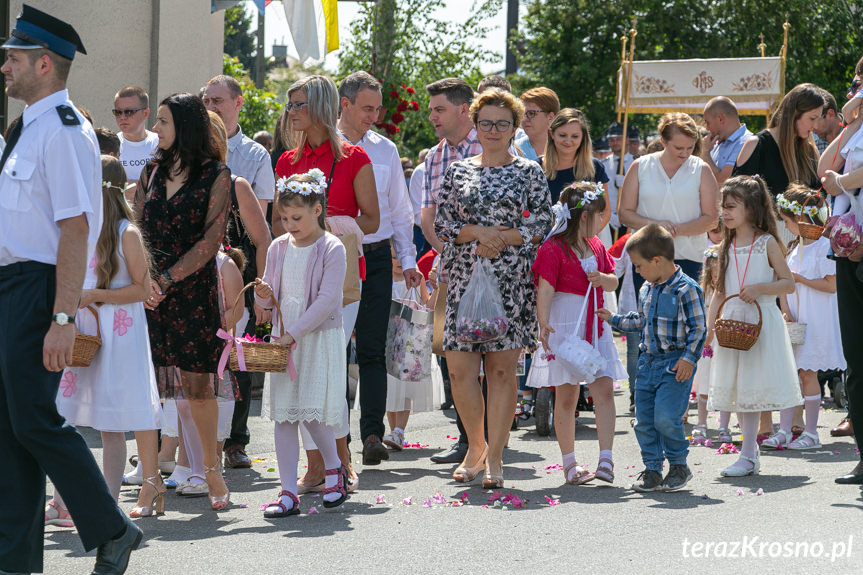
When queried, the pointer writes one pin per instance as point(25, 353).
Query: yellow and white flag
point(314, 26)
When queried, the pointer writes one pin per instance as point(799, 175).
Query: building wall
point(119, 38)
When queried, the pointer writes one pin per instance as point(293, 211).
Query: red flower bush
point(396, 103)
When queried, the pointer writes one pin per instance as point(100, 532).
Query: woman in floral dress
point(494, 206)
point(182, 204)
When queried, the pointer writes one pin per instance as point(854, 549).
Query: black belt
point(368, 248)
point(25, 267)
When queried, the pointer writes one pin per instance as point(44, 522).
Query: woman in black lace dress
point(182, 203)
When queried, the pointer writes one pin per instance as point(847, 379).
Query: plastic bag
point(480, 316)
point(845, 230)
point(578, 356)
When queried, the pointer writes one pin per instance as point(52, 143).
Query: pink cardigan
point(325, 278)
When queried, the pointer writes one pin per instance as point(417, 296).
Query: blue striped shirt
point(670, 316)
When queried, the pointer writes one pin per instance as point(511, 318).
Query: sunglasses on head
point(126, 113)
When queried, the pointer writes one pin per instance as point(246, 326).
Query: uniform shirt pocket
point(15, 195)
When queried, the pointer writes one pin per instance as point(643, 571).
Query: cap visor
point(18, 44)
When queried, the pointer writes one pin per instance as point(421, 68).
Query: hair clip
point(710, 254)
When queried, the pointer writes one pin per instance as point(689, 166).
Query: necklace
point(742, 280)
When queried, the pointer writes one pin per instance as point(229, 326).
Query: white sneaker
point(394, 440)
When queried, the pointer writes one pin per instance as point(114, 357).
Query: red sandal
point(339, 487)
point(282, 510)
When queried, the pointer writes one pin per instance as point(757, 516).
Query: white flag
point(314, 27)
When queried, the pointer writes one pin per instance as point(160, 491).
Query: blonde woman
point(676, 189)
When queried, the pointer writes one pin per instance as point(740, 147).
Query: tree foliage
point(260, 107)
point(239, 38)
point(403, 42)
point(573, 46)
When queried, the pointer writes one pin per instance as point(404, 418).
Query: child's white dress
point(764, 378)
point(118, 391)
point(701, 379)
point(822, 348)
point(318, 393)
point(563, 318)
point(414, 396)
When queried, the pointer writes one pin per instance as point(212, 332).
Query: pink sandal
point(57, 515)
point(582, 475)
point(605, 472)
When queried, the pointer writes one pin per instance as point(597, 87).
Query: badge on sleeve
point(68, 116)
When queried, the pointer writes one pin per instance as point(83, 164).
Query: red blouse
point(558, 264)
point(341, 200)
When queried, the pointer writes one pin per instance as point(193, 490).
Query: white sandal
point(189, 489)
point(777, 440)
point(805, 441)
point(738, 470)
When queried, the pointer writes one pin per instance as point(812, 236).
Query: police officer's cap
point(632, 133)
point(36, 29)
point(602, 146)
point(614, 130)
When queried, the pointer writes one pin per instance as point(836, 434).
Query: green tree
point(405, 45)
point(260, 107)
point(573, 46)
point(239, 39)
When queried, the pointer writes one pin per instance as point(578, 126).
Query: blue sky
point(455, 11)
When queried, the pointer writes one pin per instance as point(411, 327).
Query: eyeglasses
point(531, 114)
point(126, 113)
point(855, 85)
point(500, 125)
point(298, 106)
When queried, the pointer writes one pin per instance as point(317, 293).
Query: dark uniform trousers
point(371, 329)
point(849, 291)
point(34, 438)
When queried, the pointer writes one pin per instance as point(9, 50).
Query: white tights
point(288, 453)
point(191, 441)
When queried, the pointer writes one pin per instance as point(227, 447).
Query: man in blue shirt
point(727, 135)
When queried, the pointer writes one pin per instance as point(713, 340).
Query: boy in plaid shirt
point(673, 324)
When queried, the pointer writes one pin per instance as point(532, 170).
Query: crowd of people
point(176, 235)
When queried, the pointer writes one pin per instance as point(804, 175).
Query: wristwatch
point(62, 319)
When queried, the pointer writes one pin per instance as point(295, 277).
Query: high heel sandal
point(218, 502)
point(465, 474)
point(341, 487)
point(158, 503)
point(492, 480)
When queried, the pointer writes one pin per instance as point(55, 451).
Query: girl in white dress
point(752, 266)
point(305, 273)
point(571, 265)
point(117, 392)
point(814, 304)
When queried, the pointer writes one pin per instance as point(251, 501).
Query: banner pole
point(620, 74)
point(632, 33)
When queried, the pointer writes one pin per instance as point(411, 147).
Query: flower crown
point(110, 185)
point(795, 208)
point(319, 186)
point(589, 195)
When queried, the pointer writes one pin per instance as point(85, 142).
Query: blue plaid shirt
point(670, 316)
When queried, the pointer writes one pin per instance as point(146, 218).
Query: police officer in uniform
point(50, 205)
point(611, 163)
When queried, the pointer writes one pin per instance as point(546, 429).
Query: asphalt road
point(802, 523)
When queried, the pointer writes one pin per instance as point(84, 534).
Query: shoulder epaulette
point(68, 115)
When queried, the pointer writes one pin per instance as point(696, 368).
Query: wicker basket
point(796, 332)
point(260, 357)
point(808, 229)
point(86, 346)
point(735, 334)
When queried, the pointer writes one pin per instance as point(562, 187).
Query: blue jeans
point(660, 403)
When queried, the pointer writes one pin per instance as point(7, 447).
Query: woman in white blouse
point(675, 189)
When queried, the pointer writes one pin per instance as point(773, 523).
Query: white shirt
point(53, 173)
point(676, 199)
point(250, 161)
point(416, 191)
point(397, 215)
point(615, 180)
point(135, 155)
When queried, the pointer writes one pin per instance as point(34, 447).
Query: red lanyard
point(737, 266)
